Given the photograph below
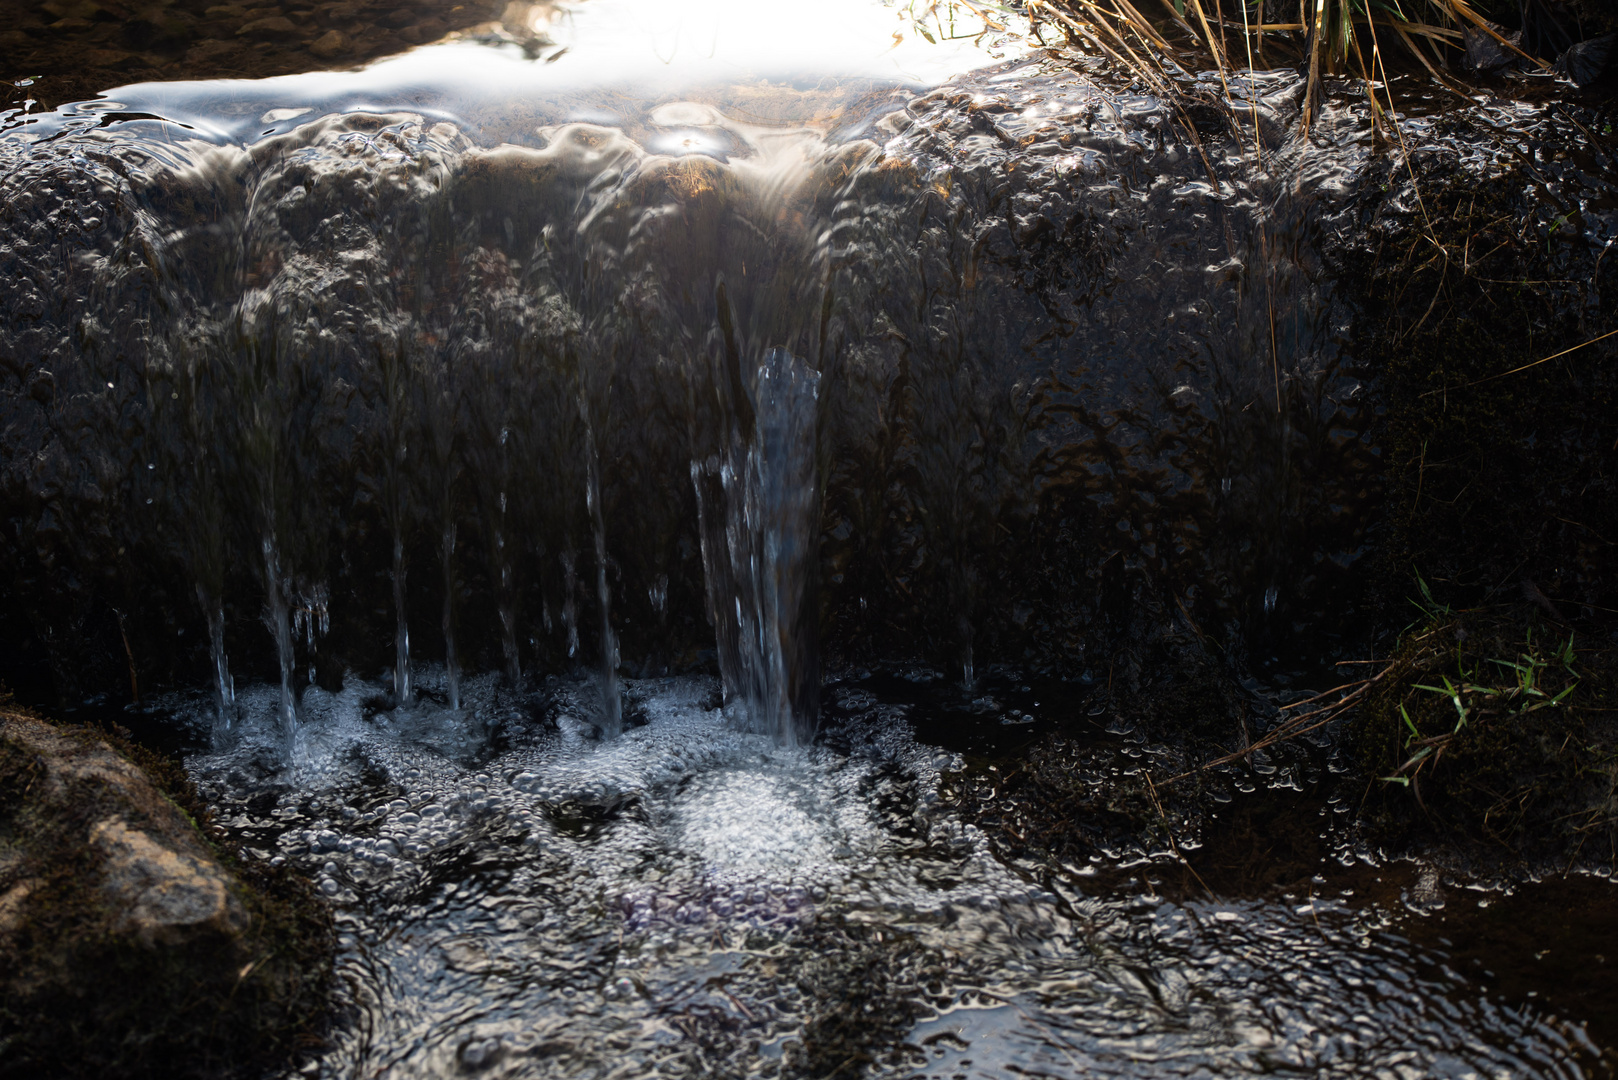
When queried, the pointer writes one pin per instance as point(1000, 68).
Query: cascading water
point(758, 526)
point(924, 354)
point(587, 310)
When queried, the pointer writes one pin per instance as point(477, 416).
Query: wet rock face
point(124, 938)
point(1016, 400)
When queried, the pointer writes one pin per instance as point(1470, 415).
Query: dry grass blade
point(1151, 75)
point(1460, 9)
point(1525, 367)
point(1333, 34)
point(1301, 724)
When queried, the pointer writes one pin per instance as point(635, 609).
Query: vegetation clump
point(1450, 39)
point(1498, 726)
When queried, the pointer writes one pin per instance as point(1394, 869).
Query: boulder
point(135, 941)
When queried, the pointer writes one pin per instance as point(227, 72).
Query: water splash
point(517, 910)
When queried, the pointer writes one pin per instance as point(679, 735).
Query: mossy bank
point(134, 941)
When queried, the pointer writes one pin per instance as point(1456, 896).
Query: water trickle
point(402, 694)
point(612, 706)
point(758, 525)
point(570, 604)
point(506, 604)
point(311, 617)
point(452, 664)
point(224, 686)
point(278, 620)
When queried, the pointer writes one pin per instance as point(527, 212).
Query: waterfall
point(759, 508)
point(964, 340)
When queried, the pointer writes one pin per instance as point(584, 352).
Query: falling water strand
point(311, 619)
point(759, 556)
point(722, 602)
point(452, 666)
point(224, 687)
point(612, 706)
point(963, 624)
point(401, 640)
point(277, 619)
point(507, 601)
point(570, 607)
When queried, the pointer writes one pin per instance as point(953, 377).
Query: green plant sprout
point(1519, 692)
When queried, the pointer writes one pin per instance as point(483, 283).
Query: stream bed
point(516, 897)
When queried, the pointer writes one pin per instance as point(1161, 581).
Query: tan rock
point(12, 902)
point(331, 44)
point(127, 944)
point(159, 896)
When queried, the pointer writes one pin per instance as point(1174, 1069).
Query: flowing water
point(456, 420)
point(518, 898)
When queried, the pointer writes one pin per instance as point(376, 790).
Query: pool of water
point(517, 897)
